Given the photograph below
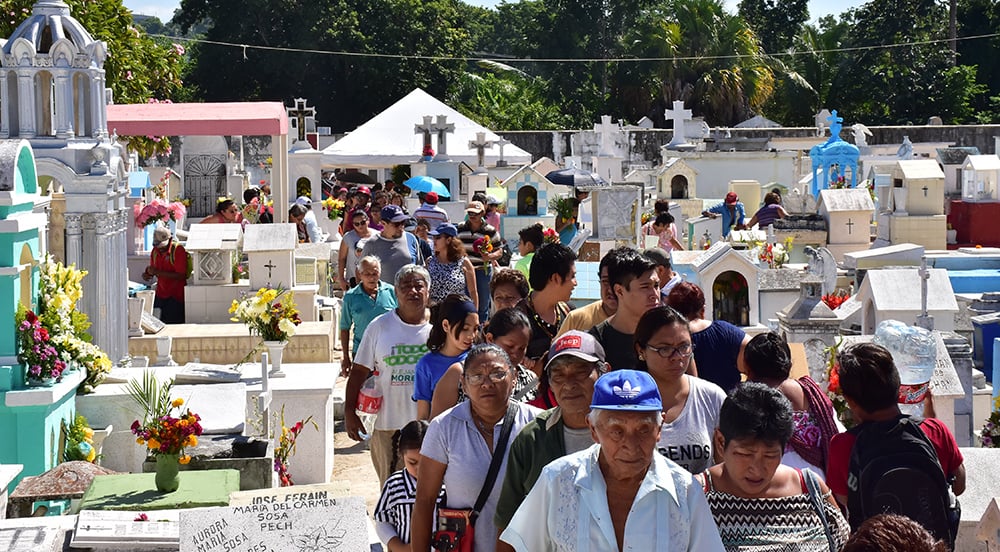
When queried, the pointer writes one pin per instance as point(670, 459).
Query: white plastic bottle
point(369, 404)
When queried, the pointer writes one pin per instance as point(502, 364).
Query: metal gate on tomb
point(204, 183)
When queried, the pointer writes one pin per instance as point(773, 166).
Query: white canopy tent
point(389, 139)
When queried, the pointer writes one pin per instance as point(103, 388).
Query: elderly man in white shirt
point(619, 494)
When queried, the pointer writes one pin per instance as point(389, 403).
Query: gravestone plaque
point(30, 539)
point(127, 530)
point(305, 521)
point(151, 324)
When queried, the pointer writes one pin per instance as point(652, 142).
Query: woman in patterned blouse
point(759, 504)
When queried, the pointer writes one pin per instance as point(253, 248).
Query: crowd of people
point(634, 422)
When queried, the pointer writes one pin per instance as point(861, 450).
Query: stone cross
point(679, 116)
point(302, 115)
point(425, 129)
point(925, 190)
point(605, 128)
point(925, 320)
point(850, 226)
point(443, 128)
point(270, 266)
point(501, 143)
point(835, 125)
point(480, 144)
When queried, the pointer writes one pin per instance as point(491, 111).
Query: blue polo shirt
point(359, 309)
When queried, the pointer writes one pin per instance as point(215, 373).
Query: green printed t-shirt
point(393, 347)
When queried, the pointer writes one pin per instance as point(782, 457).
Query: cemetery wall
point(646, 143)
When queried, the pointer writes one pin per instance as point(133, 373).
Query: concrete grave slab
point(194, 373)
point(221, 406)
point(45, 534)
point(302, 523)
point(96, 529)
point(981, 487)
point(903, 254)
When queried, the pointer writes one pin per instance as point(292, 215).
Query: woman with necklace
point(552, 276)
point(459, 446)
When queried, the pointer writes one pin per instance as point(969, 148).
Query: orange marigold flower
point(184, 459)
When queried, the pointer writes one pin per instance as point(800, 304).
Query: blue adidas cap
point(626, 390)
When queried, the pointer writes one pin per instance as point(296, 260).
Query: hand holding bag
point(456, 527)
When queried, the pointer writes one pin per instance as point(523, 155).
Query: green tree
point(776, 22)
point(897, 75)
point(714, 61)
point(347, 90)
point(803, 83)
point(138, 68)
point(508, 100)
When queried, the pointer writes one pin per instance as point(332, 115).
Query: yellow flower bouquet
point(270, 313)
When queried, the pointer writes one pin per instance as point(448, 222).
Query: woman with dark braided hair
point(768, 360)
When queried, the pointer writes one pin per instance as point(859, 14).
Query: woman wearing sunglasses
point(350, 247)
point(690, 405)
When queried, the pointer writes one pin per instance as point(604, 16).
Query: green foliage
point(400, 174)
point(346, 90)
point(152, 397)
point(903, 84)
point(79, 440)
point(508, 101)
point(722, 73)
point(775, 22)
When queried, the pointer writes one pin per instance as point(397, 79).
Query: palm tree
point(715, 63)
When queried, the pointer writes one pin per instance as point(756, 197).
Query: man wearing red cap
point(732, 212)
point(430, 211)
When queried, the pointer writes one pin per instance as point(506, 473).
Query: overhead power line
point(505, 59)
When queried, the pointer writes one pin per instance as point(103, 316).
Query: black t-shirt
point(619, 348)
point(542, 333)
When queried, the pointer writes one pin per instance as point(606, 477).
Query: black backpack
point(895, 469)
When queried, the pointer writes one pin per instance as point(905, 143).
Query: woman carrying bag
point(465, 448)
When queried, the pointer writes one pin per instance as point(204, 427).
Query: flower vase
point(41, 382)
point(167, 472)
point(274, 351)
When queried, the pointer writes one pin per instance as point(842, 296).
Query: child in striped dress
point(395, 506)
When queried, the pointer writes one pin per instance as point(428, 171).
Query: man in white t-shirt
point(391, 346)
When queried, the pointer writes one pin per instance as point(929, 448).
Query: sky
point(164, 9)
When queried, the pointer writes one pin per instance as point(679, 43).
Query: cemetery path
point(352, 464)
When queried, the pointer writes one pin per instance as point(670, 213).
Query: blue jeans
point(483, 290)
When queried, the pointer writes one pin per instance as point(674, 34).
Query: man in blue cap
point(628, 496)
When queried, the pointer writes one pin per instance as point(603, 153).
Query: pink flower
point(178, 49)
point(177, 210)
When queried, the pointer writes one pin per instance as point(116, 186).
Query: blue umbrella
point(427, 184)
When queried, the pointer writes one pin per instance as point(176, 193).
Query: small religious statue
point(861, 134)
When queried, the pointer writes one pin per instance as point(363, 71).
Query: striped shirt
point(395, 506)
point(469, 237)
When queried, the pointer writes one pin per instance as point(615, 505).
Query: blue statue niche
point(832, 158)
